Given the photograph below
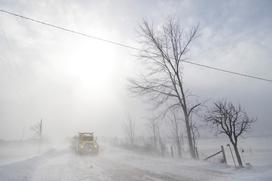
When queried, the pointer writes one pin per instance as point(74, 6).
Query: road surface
point(112, 164)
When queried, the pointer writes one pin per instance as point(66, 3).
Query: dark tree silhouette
point(37, 129)
point(164, 50)
point(231, 120)
point(129, 128)
point(153, 126)
point(176, 132)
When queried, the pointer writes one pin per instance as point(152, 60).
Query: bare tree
point(129, 127)
point(38, 132)
point(37, 129)
point(161, 142)
point(175, 125)
point(153, 126)
point(195, 135)
point(164, 51)
point(230, 120)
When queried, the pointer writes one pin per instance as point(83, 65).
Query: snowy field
point(58, 163)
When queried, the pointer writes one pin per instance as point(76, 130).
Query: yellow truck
point(85, 143)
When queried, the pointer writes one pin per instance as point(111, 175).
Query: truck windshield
point(86, 138)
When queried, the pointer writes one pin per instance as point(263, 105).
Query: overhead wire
point(131, 47)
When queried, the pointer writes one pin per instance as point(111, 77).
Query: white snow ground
point(118, 164)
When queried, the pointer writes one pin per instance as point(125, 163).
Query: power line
point(68, 30)
point(130, 47)
point(228, 71)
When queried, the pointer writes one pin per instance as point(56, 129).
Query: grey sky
point(74, 83)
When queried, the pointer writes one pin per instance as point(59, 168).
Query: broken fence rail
point(221, 151)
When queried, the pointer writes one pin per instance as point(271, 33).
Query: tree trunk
point(179, 147)
point(194, 143)
point(238, 155)
point(189, 135)
point(154, 137)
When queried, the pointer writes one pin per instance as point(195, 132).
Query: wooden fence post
point(224, 155)
point(232, 155)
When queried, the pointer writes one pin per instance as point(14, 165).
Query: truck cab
point(86, 143)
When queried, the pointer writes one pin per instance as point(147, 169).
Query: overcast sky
point(78, 84)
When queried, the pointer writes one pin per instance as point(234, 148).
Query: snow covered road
point(112, 164)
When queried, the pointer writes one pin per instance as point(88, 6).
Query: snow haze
point(74, 66)
point(73, 83)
